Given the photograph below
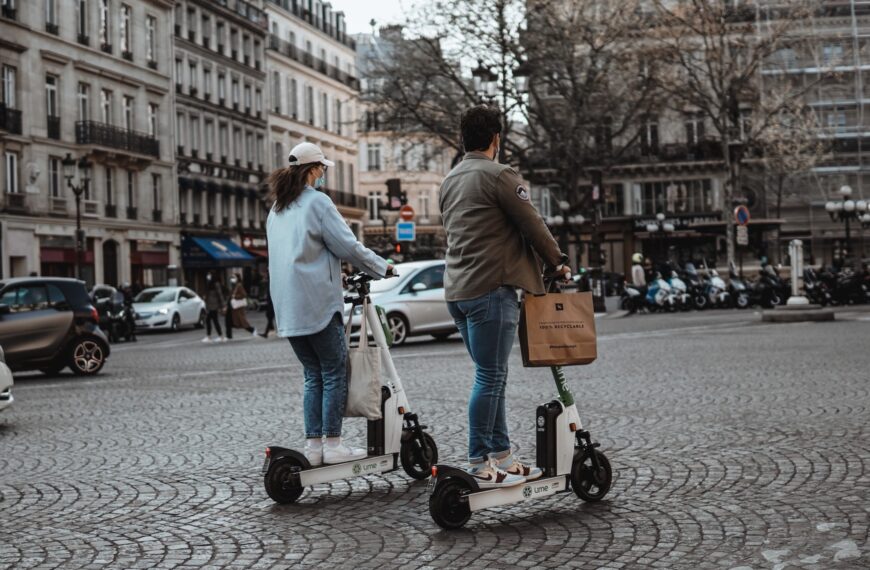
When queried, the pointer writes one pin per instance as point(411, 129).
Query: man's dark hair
point(479, 125)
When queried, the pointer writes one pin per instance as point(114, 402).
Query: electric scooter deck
point(396, 438)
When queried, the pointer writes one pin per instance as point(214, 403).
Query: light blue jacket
point(307, 241)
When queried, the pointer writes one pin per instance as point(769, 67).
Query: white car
point(168, 308)
point(6, 398)
point(414, 301)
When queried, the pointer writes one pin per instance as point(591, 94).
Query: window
point(151, 38)
point(246, 47)
point(194, 77)
point(84, 97)
point(209, 137)
point(324, 110)
point(194, 134)
point(337, 118)
point(51, 96)
point(258, 150)
point(236, 92)
point(126, 43)
point(11, 172)
point(106, 106)
point(309, 104)
point(340, 175)
point(432, 278)
point(350, 185)
point(220, 36)
point(129, 119)
point(51, 12)
point(276, 92)
point(374, 204)
point(206, 82)
point(179, 72)
point(832, 54)
point(678, 196)
point(258, 101)
point(836, 120)
point(153, 113)
point(248, 101)
point(293, 100)
point(546, 206)
point(257, 54)
point(694, 129)
point(649, 138)
point(82, 19)
point(157, 191)
point(224, 138)
point(191, 24)
point(180, 129)
point(110, 187)
point(26, 298)
point(424, 204)
point(277, 155)
point(249, 146)
point(105, 30)
point(9, 81)
point(206, 30)
point(131, 189)
point(374, 156)
point(237, 144)
point(54, 187)
point(222, 87)
point(86, 173)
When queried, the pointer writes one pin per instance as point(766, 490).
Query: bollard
point(796, 252)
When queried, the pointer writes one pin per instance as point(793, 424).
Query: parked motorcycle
point(815, 289)
point(695, 286)
point(737, 289)
point(660, 296)
point(682, 300)
point(117, 317)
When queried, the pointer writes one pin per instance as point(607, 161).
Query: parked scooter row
point(683, 289)
point(828, 287)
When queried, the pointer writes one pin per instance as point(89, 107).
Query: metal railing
point(326, 27)
point(53, 127)
point(10, 119)
point(92, 132)
point(246, 10)
point(307, 58)
point(348, 199)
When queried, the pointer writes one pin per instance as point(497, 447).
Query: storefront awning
point(213, 252)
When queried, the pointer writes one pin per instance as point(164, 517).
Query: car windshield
point(156, 296)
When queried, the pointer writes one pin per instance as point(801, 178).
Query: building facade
point(417, 160)
point(313, 95)
point(89, 79)
point(219, 71)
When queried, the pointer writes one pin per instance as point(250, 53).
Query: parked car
point(50, 323)
point(414, 301)
point(6, 382)
point(168, 308)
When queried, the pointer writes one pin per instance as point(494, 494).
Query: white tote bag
point(363, 374)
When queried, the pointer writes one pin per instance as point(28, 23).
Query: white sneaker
point(206, 340)
point(513, 466)
point(489, 476)
point(222, 339)
point(254, 333)
point(342, 453)
point(314, 455)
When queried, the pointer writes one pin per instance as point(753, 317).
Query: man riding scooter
point(494, 238)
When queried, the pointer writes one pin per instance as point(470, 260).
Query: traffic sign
point(406, 231)
point(741, 215)
point(406, 212)
point(742, 235)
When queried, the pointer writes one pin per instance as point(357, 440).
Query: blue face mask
point(319, 182)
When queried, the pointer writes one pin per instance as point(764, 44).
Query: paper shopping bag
point(363, 375)
point(558, 329)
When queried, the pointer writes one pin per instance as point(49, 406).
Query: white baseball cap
point(306, 153)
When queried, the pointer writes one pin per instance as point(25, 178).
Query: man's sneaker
point(254, 332)
point(206, 340)
point(314, 455)
point(515, 467)
point(342, 453)
point(489, 476)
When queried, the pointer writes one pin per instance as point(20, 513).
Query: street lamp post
point(660, 229)
point(845, 210)
point(77, 177)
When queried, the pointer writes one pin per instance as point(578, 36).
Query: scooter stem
point(565, 394)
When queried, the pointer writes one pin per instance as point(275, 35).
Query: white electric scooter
point(396, 437)
point(565, 453)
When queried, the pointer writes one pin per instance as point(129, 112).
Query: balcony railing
point(91, 208)
point(10, 119)
point(17, 202)
point(53, 127)
point(92, 132)
point(58, 205)
point(307, 58)
point(105, 47)
point(9, 12)
point(346, 199)
point(303, 13)
point(52, 28)
point(132, 213)
point(84, 39)
point(157, 215)
point(111, 211)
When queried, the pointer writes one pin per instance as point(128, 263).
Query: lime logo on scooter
point(357, 469)
point(527, 492)
point(541, 421)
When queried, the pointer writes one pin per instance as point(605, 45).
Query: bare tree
point(729, 64)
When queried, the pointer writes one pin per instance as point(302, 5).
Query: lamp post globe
point(849, 205)
point(845, 190)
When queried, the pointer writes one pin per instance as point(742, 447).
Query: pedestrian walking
point(494, 240)
point(214, 304)
point(307, 239)
point(237, 316)
point(270, 309)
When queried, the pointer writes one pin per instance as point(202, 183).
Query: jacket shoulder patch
point(522, 193)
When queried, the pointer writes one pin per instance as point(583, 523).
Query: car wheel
point(201, 322)
point(176, 322)
point(87, 356)
point(398, 328)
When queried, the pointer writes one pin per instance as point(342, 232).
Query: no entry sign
point(406, 212)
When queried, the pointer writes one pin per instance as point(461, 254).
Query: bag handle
point(349, 325)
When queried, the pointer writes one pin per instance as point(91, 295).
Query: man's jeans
point(488, 325)
point(324, 358)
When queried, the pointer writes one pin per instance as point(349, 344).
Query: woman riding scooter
point(307, 239)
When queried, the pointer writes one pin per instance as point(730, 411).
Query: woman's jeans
point(324, 358)
point(488, 325)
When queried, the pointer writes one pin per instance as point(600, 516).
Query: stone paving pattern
point(735, 445)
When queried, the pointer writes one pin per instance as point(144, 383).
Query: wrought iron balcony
point(111, 211)
point(307, 58)
point(53, 127)
point(92, 132)
point(52, 28)
point(84, 39)
point(346, 199)
point(157, 215)
point(10, 119)
point(9, 12)
point(131, 213)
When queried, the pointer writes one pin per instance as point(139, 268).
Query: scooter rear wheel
point(418, 457)
point(446, 504)
point(590, 484)
point(277, 480)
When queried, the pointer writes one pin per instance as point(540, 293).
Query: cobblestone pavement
point(735, 444)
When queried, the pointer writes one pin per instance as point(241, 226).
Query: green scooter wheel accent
point(382, 316)
point(565, 394)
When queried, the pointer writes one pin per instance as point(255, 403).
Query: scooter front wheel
point(447, 504)
point(277, 480)
point(589, 483)
point(418, 457)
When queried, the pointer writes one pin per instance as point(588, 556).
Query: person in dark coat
point(270, 309)
point(214, 301)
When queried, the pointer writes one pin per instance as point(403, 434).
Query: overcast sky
point(360, 12)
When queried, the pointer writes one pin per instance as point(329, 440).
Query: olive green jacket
point(494, 234)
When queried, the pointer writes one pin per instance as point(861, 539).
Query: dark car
point(50, 323)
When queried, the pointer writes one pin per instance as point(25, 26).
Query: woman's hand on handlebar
point(391, 272)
